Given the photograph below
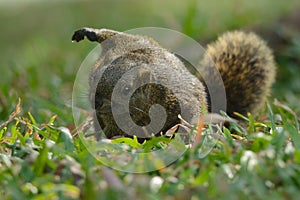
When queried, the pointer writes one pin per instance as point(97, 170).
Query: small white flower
point(280, 163)
point(156, 183)
point(264, 136)
point(50, 143)
point(250, 159)
point(279, 129)
point(228, 171)
point(33, 189)
point(269, 184)
point(289, 149)
point(269, 152)
point(66, 131)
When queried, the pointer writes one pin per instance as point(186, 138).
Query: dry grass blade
point(285, 107)
point(237, 137)
point(200, 127)
point(214, 118)
point(184, 124)
point(172, 130)
point(13, 114)
point(83, 127)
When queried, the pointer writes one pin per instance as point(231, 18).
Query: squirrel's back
point(247, 67)
point(244, 61)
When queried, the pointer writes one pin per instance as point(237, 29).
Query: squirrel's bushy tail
point(247, 67)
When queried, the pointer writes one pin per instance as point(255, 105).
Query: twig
point(13, 114)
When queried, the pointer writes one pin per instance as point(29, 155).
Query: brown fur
point(247, 68)
point(244, 61)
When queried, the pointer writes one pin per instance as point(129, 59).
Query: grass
point(39, 156)
point(43, 160)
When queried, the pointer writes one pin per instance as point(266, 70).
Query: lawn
point(42, 157)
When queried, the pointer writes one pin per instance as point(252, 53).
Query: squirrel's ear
point(98, 35)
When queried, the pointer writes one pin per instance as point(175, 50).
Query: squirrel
point(245, 63)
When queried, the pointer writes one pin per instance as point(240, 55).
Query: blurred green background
point(38, 62)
